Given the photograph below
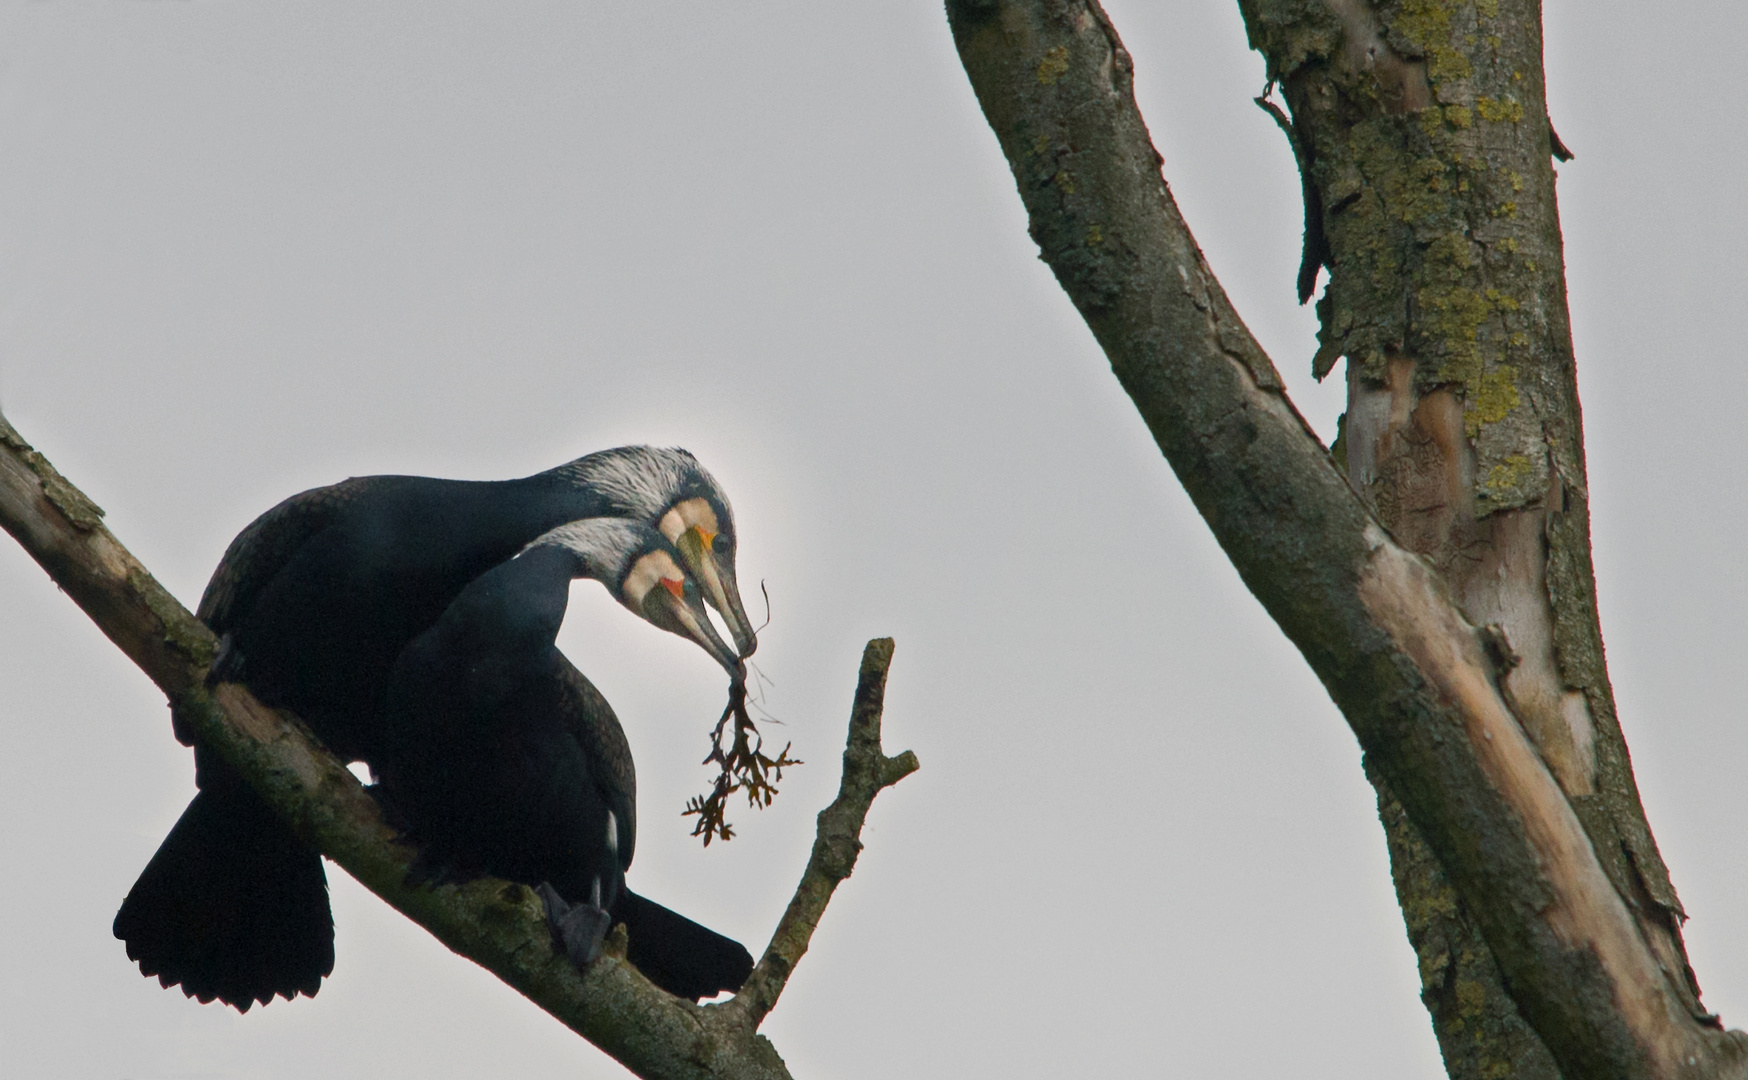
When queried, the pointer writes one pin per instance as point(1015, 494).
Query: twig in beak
point(744, 767)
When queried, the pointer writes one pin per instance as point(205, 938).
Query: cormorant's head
point(666, 488)
point(643, 572)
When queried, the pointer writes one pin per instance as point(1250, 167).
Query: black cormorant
point(313, 603)
point(504, 760)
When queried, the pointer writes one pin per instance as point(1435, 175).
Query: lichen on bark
point(1423, 127)
point(1421, 172)
point(1479, 1031)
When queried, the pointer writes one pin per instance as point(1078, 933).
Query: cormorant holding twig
point(314, 603)
point(506, 761)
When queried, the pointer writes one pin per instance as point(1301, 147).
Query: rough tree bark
point(1447, 603)
point(1426, 153)
point(496, 924)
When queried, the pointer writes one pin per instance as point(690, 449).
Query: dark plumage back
point(316, 599)
point(508, 762)
point(314, 608)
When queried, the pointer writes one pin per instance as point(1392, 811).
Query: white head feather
point(605, 546)
point(645, 481)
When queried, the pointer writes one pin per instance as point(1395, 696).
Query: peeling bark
point(499, 925)
point(1426, 129)
point(1430, 692)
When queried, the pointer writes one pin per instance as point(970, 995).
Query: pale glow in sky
point(249, 248)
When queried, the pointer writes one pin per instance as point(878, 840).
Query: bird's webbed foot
point(576, 928)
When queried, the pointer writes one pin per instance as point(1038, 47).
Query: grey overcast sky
point(248, 248)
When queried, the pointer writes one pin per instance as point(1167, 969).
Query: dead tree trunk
point(1448, 605)
point(1426, 152)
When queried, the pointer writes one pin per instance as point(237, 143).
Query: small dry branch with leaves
point(744, 766)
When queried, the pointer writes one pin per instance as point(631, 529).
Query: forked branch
point(837, 842)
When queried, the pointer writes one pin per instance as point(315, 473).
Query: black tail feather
point(233, 906)
point(678, 955)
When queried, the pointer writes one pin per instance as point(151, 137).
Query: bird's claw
point(578, 929)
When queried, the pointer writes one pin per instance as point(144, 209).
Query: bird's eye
point(722, 544)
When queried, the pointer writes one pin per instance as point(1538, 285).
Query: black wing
point(271, 541)
point(501, 757)
point(591, 722)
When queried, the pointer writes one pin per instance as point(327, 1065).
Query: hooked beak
point(679, 610)
point(715, 576)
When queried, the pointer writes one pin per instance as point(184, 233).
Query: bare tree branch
point(1418, 683)
point(866, 770)
point(496, 924)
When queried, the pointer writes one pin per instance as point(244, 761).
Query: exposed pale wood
point(1584, 911)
